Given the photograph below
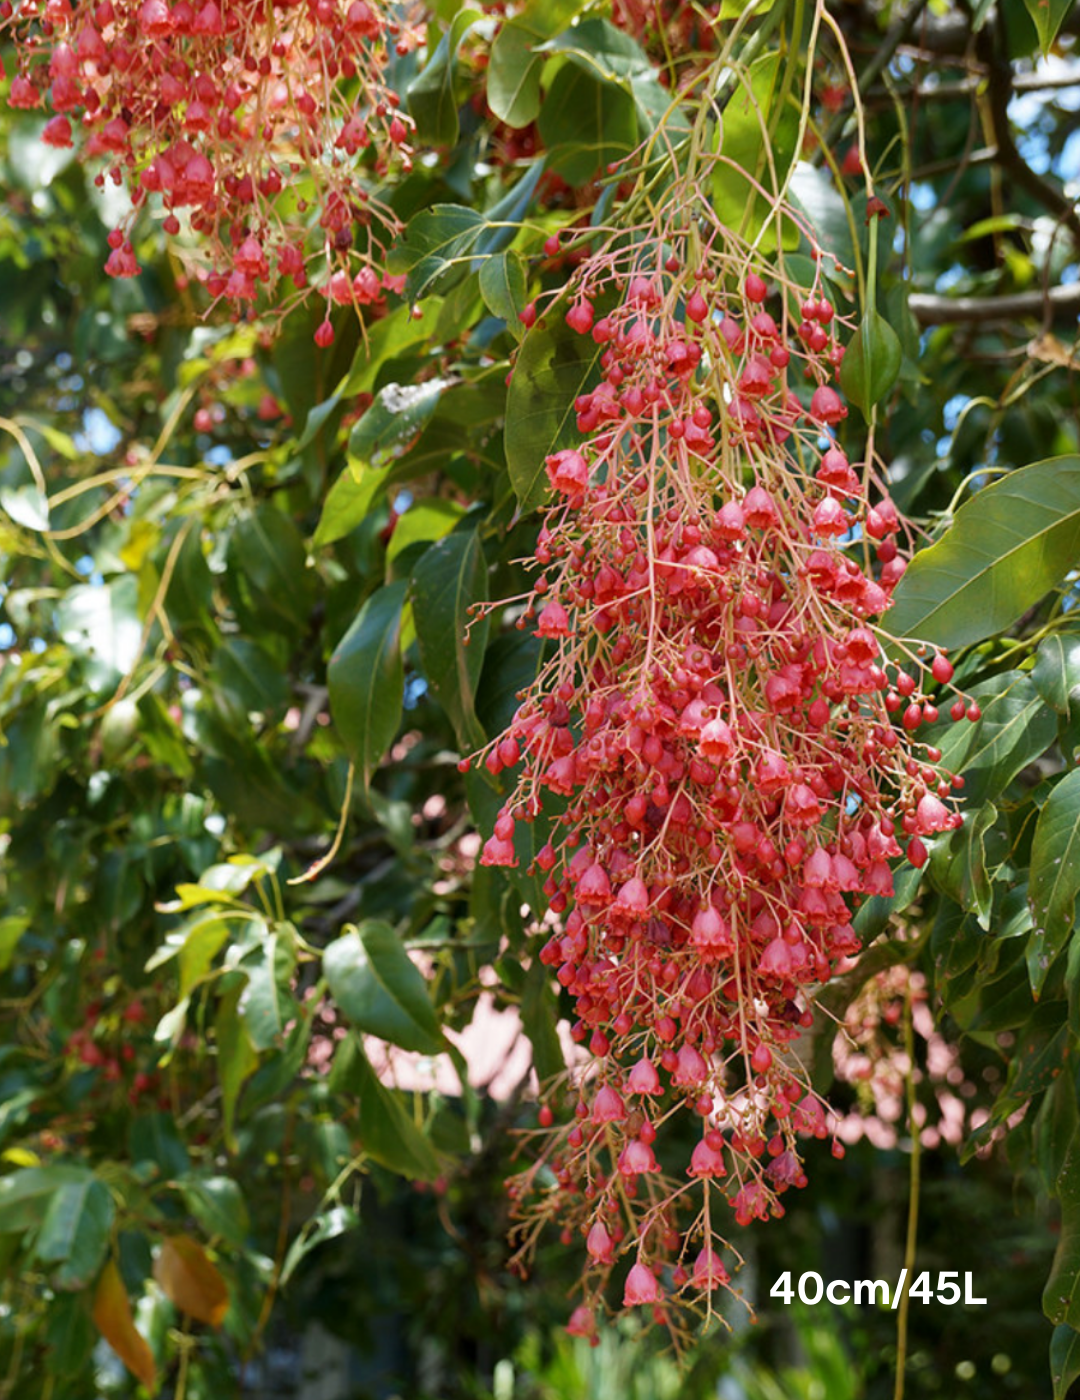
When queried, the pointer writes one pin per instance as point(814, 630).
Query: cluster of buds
point(251, 124)
point(718, 755)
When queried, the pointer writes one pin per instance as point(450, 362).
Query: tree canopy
point(550, 517)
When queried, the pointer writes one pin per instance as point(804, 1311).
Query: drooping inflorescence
point(254, 130)
point(725, 758)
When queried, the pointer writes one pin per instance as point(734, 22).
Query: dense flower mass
point(250, 126)
point(723, 755)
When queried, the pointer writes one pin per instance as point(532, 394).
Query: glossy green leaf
point(515, 66)
point(871, 362)
point(387, 1133)
point(1048, 16)
point(25, 1194)
point(586, 124)
point(1055, 875)
point(236, 1059)
point(12, 928)
point(513, 80)
point(1064, 1360)
point(347, 505)
point(1007, 548)
point(429, 518)
point(436, 247)
point(1061, 1297)
point(329, 1225)
point(1056, 674)
point(539, 1017)
point(266, 1004)
point(552, 369)
point(367, 679)
point(218, 1204)
point(431, 98)
point(380, 989)
point(504, 288)
point(448, 579)
point(75, 1232)
point(154, 1138)
point(269, 553)
point(756, 140)
point(1016, 728)
point(394, 421)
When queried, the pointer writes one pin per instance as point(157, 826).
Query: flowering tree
point(570, 507)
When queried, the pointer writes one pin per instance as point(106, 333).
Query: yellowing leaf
point(190, 1281)
point(113, 1319)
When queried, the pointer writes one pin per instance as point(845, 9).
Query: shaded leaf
point(539, 1016)
point(1061, 1296)
point(446, 581)
point(331, 1224)
point(237, 1059)
point(1055, 876)
point(1056, 675)
point(367, 679)
point(75, 1232)
point(1064, 1360)
point(586, 124)
point(552, 369)
point(387, 1133)
point(430, 95)
point(436, 247)
point(218, 1204)
point(504, 287)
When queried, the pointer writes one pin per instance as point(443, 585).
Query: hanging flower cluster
point(725, 758)
point(247, 122)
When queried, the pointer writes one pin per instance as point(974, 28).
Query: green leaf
point(204, 938)
point(75, 1232)
point(1061, 1296)
point(249, 675)
point(539, 1016)
point(347, 504)
point(430, 95)
point(70, 1335)
point(447, 579)
point(504, 287)
point(552, 369)
point(1055, 876)
point(266, 1003)
point(218, 1204)
point(268, 551)
point(367, 679)
point(1007, 548)
point(1048, 16)
point(332, 1223)
point(752, 125)
point(1064, 1360)
point(1016, 728)
point(395, 420)
point(25, 1194)
point(12, 928)
point(1056, 674)
point(514, 68)
point(387, 1133)
point(386, 340)
point(430, 518)
point(155, 1138)
point(513, 76)
point(586, 124)
point(871, 362)
point(236, 1059)
point(436, 247)
point(380, 988)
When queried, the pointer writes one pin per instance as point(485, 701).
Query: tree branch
point(932, 310)
point(999, 92)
